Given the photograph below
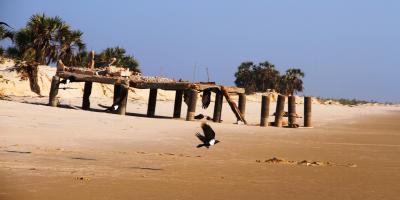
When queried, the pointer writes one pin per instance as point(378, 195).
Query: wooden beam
point(151, 107)
point(218, 106)
point(233, 106)
point(280, 105)
point(55, 82)
point(265, 101)
point(307, 112)
point(192, 105)
point(178, 104)
point(86, 95)
point(91, 78)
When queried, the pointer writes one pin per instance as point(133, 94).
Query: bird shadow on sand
point(22, 152)
point(82, 158)
point(147, 168)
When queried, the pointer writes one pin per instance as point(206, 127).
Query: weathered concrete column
point(123, 99)
point(87, 91)
point(242, 104)
point(151, 107)
point(117, 93)
point(192, 105)
point(55, 82)
point(178, 104)
point(218, 106)
point(280, 105)
point(307, 112)
point(292, 110)
point(265, 101)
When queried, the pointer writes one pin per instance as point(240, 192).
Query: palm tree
point(245, 77)
point(267, 77)
point(44, 40)
point(71, 46)
point(5, 33)
point(291, 82)
point(122, 60)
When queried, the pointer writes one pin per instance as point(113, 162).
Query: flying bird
point(208, 138)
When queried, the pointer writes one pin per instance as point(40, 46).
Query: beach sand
point(60, 153)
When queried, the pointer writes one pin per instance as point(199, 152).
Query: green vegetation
point(45, 40)
point(348, 102)
point(122, 60)
point(264, 77)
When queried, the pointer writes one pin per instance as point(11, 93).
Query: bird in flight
point(208, 138)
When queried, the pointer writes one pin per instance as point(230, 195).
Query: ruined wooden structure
point(122, 85)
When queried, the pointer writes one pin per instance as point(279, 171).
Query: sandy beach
point(61, 153)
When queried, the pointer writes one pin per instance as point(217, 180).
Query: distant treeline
point(265, 77)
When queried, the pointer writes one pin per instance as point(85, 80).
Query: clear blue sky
point(346, 48)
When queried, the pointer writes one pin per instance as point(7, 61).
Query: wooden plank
point(146, 85)
point(233, 106)
point(91, 78)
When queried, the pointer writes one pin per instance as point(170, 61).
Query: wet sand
point(56, 153)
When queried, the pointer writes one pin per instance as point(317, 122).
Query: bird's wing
point(206, 99)
point(201, 137)
point(208, 132)
point(5, 24)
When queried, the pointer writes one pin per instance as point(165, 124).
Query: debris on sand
point(276, 160)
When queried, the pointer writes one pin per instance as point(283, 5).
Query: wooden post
point(307, 111)
point(151, 107)
point(242, 103)
point(86, 95)
point(55, 82)
point(117, 93)
point(178, 104)
point(123, 99)
point(292, 110)
point(192, 105)
point(233, 105)
point(218, 106)
point(265, 101)
point(91, 60)
point(280, 105)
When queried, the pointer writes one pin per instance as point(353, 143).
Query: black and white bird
point(208, 138)
point(68, 80)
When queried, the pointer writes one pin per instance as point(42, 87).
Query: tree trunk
point(32, 71)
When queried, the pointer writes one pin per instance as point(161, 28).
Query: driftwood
point(233, 105)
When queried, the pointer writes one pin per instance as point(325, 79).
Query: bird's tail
point(200, 145)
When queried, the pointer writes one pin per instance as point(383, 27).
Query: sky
point(347, 49)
